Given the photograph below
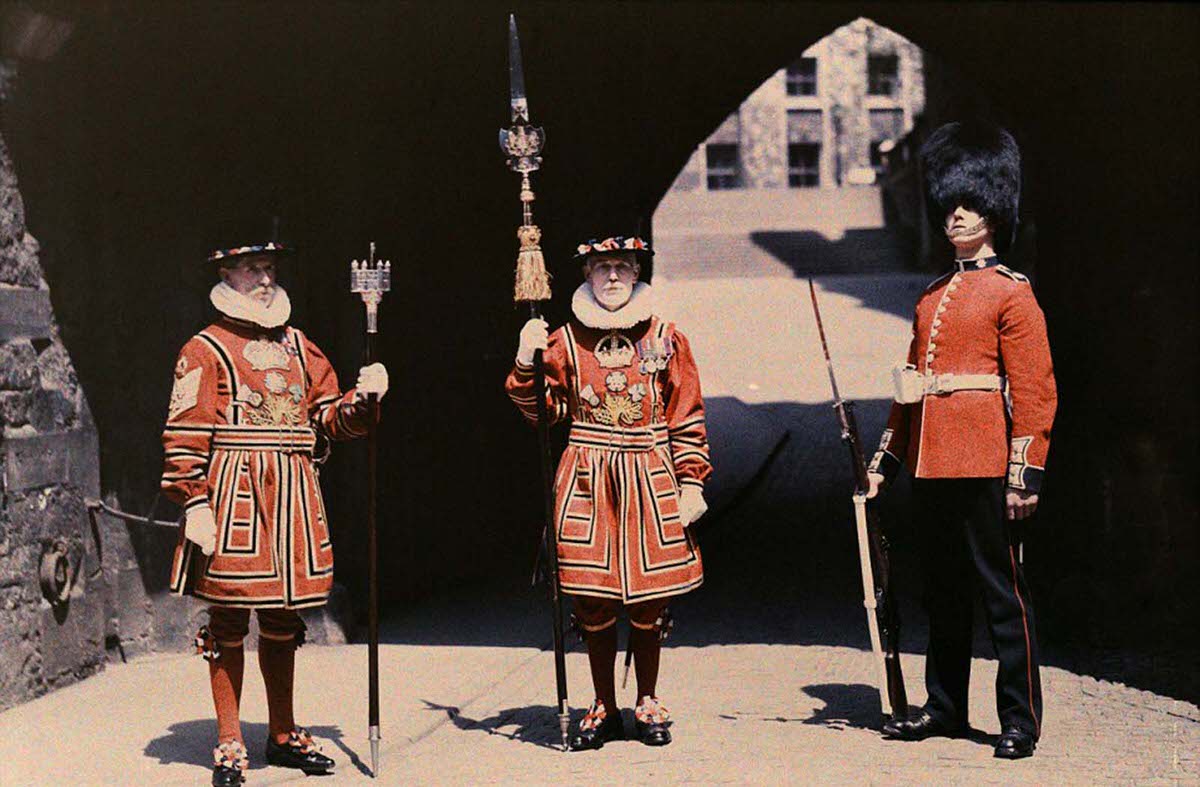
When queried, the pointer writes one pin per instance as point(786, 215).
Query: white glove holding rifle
point(534, 336)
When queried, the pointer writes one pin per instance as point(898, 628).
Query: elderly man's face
point(253, 277)
point(611, 277)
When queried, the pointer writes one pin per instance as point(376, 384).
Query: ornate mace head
point(371, 279)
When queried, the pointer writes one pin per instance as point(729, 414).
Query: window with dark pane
point(804, 134)
point(804, 165)
point(802, 77)
point(724, 171)
point(883, 75)
point(885, 124)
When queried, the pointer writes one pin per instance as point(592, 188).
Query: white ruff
point(640, 307)
point(232, 303)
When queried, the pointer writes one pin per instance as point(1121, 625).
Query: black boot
point(298, 751)
point(920, 727)
point(230, 763)
point(597, 728)
point(652, 718)
point(1015, 743)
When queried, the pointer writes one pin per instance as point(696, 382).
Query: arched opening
point(120, 170)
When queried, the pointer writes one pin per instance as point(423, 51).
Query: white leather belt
point(911, 386)
point(950, 382)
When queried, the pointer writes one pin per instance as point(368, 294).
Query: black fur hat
point(978, 166)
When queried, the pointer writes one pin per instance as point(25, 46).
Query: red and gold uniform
point(638, 436)
point(246, 410)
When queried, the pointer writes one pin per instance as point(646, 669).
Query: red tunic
point(244, 417)
point(637, 436)
point(981, 320)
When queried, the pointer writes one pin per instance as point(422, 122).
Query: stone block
point(48, 459)
point(73, 646)
point(56, 371)
point(176, 620)
point(18, 366)
point(15, 407)
point(19, 263)
point(50, 411)
point(24, 313)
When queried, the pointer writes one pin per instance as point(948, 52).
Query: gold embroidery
point(264, 355)
point(185, 393)
point(618, 411)
point(275, 409)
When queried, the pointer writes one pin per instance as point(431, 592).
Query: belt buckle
point(942, 383)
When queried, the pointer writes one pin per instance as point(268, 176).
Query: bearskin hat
point(978, 166)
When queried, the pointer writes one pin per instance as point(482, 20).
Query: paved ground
point(760, 712)
point(768, 672)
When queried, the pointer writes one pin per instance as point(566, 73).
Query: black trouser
point(968, 543)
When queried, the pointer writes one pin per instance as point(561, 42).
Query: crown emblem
point(614, 351)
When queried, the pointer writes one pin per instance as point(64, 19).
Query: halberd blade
point(516, 75)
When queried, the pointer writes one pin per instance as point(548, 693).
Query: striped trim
point(263, 438)
point(573, 362)
point(222, 354)
point(1037, 727)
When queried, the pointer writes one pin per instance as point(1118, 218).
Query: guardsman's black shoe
point(597, 728)
point(298, 751)
point(651, 718)
point(230, 762)
point(1015, 743)
point(920, 727)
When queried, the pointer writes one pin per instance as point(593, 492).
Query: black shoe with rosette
point(652, 718)
point(298, 751)
point(597, 728)
point(230, 761)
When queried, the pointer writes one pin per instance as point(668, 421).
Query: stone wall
point(52, 630)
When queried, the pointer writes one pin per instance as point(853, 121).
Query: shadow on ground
point(781, 567)
point(190, 742)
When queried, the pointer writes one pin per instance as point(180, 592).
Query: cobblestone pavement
point(458, 712)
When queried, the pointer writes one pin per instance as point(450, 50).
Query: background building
point(805, 152)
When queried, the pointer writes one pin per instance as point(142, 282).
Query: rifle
point(522, 143)
point(883, 619)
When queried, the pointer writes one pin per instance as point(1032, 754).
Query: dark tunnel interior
point(377, 122)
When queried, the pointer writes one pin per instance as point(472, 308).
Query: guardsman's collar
point(975, 264)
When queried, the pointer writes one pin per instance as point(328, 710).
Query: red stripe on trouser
point(1028, 648)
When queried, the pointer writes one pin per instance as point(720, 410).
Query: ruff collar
point(232, 303)
point(589, 311)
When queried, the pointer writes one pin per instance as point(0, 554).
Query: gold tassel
point(533, 280)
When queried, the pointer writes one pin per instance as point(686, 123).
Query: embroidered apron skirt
point(617, 516)
point(273, 548)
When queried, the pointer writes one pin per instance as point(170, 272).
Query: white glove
point(372, 379)
point(201, 528)
point(691, 504)
point(534, 336)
